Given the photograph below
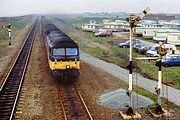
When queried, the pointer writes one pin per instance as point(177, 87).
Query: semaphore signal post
point(9, 31)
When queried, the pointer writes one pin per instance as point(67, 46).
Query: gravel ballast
point(119, 99)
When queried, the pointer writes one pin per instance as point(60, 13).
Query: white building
point(146, 29)
point(117, 25)
point(174, 38)
point(162, 36)
point(149, 32)
point(172, 25)
point(91, 27)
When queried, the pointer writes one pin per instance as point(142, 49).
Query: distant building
point(163, 36)
point(148, 32)
point(146, 29)
point(92, 26)
point(172, 25)
point(174, 38)
point(117, 25)
point(159, 17)
point(109, 25)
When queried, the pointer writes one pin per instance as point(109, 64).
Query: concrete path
point(120, 73)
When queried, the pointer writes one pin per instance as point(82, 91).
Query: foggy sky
point(23, 7)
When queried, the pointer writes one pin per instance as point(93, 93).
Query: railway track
point(10, 89)
point(72, 103)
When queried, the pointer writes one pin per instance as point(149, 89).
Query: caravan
point(153, 51)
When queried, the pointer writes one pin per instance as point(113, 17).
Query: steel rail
point(84, 104)
point(63, 109)
point(11, 86)
point(81, 100)
point(24, 71)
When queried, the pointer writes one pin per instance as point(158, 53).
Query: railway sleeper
point(10, 91)
point(4, 117)
point(4, 107)
point(10, 84)
point(8, 99)
point(7, 103)
point(7, 113)
point(9, 95)
point(11, 87)
point(5, 110)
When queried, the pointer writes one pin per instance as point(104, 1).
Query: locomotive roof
point(62, 42)
point(50, 27)
point(57, 38)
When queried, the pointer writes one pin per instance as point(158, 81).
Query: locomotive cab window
point(71, 51)
point(58, 51)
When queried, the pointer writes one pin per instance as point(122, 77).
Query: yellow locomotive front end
point(64, 61)
point(63, 65)
point(62, 51)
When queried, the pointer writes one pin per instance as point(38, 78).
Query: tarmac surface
point(122, 74)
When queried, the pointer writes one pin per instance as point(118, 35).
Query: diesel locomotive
point(62, 51)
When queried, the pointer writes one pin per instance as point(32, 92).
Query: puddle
point(119, 99)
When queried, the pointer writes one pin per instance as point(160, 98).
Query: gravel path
point(122, 74)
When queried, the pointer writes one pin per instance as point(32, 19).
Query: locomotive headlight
point(67, 66)
point(55, 61)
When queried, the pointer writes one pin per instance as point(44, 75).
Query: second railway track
point(10, 89)
point(73, 105)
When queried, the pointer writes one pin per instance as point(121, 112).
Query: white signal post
point(9, 30)
point(158, 108)
point(133, 23)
